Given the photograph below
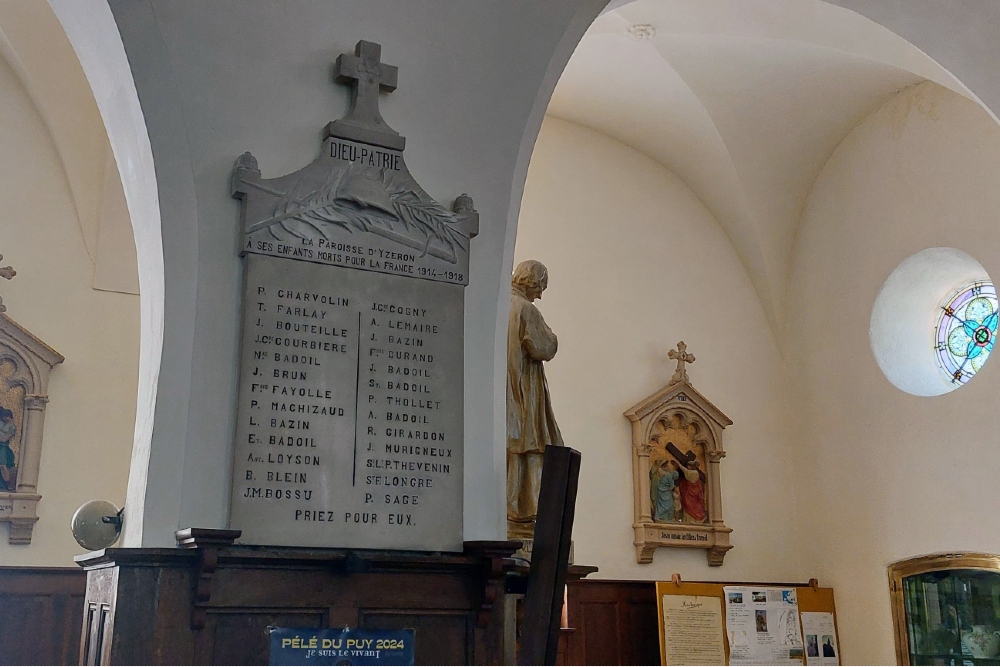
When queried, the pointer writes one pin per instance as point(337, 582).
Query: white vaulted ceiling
point(745, 100)
point(34, 45)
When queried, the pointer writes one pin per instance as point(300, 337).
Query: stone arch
point(93, 32)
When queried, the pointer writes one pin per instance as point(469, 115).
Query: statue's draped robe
point(662, 492)
point(693, 496)
point(7, 460)
point(531, 426)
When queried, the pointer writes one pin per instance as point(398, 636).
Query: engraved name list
point(349, 428)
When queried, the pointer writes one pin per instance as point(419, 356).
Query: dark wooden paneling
point(600, 632)
point(152, 597)
point(440, 639)
point(242, 638)
point(613, 623)
point(41, 614)
point(97, 620)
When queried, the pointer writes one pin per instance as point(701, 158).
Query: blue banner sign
point(329, 646)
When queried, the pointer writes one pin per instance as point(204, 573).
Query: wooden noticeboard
point(809, 599)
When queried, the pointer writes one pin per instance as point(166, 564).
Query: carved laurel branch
point(407, 217)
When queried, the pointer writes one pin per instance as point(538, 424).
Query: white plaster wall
point(636, 263)
point(483, 75)
point(217, 79)
point(89, 420)
point(885, 475)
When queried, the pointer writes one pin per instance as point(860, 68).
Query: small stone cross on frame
point(7, 272)
point(682, 357)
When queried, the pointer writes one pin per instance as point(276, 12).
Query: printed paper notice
point(763, 626)
point(821, 638)
point(692, 630)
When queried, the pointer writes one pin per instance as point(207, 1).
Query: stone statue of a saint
point(531, 426)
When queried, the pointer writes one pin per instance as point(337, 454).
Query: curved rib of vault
point(626, 90)
point(745, 104)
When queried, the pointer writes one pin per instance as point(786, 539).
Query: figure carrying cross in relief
point(531, 426)
point(692, 489)
point(682, 357)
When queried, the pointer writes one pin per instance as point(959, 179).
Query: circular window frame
point(949, 323)
point(904, 317)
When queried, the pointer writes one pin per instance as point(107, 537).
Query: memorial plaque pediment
point(350, 424)
point(357, 205)
point(676, 449)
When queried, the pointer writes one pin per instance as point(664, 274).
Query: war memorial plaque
point(350, 405)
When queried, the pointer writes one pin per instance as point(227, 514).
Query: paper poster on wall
point(763, 626)
point(821, 638)
point(692, 630)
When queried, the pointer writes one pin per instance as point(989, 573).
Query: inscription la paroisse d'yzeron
point(350, 414)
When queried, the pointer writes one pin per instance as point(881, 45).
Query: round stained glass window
point(965, 331)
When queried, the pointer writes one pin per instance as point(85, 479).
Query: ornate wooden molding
point(256, 583)
point(208, 542)
point(495, 555)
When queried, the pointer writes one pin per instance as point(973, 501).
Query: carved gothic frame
point(680, 399)
point(33, 360)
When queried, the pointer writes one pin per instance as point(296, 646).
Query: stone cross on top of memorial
point(367, 75)
point(359, 187)
point(350, 400)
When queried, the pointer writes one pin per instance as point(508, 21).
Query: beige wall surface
point(885, 475)
point(856, 473)
point(636, 263)
point(91, 414)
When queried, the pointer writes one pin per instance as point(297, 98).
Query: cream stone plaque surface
point(350, 421)
point(350, 416)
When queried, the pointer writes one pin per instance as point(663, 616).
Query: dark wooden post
point(550, 557)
